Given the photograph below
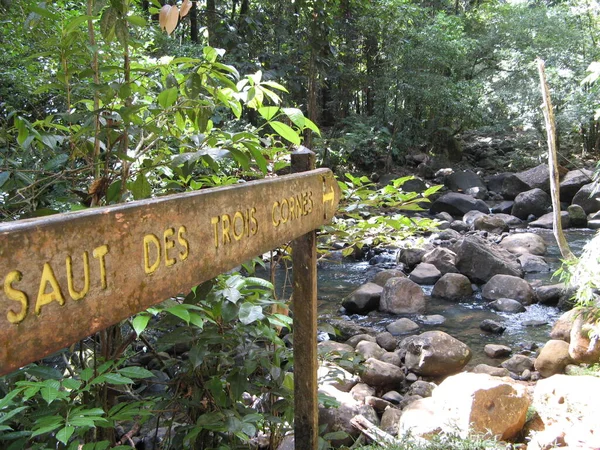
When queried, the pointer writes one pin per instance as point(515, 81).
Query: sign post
point(67, 276)
point(304, 307)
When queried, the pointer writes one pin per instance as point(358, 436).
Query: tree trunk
point(211, 22)
point(194, 22)
point(563, 245)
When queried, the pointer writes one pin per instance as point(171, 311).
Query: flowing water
point(337, 279)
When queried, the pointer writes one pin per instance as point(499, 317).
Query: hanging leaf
point(168, 97)
point(295, 115)
point(107, 24)
point(162, 16)
point(172, 19)
point(286, 132)
point(185, 8)
point(65, 434)
point(137, 21)
point(140, 188)
point(268, 112)
point(140, 323)
point(250, 313)
point(122, 32)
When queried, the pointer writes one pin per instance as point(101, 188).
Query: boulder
point(563, 325)
point(332, 374)
point(452, 286)
point(354, 340)
point(364, 299)
point(433, 319)
point(443, 258)
point(425, 273)
point(381, 374)
point(435, 353)
point(421, 388)
point(588, 198)
point(410, 256)
point(391, 358)
point(547, 221)
point(390, 419)
point(386, 341)
point(508, 286)
point(338, 418)
point(402, 326)
point(470, 217)
point(509, 219)
point(497, 350)
point(533, 263)
point(369, 349)
point(572, 182)
point(495, 182)
point(583, 347)
point(345, 329)
point(518, 364)
point(549, 294)
point(491, 326)
point(512, 186)
point(469, 404)
point(480, 260)
point(537, 177)
point(553, 358)
point(360, 391)
point(534, 202)
point(507, 305)
point(465, 181)
point(381, 278)
point(570, 404)
point(402, 296)
point(504, 208)
point(577, 216)
point(491, 370)
point(458, 204)
point(329, 347)
point(491, 224)
point(521, 243)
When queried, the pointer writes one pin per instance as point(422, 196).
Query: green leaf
point(107, 24)
point(137, 21)
point(23, 130)
point(50, 390)
point(275, 85)
point(135, 372)
point(311, 126)
point(295, 115)
point(65, 434)
point(42, 11)
point(250, 313)
point(215, 387)
point(4, 176)
point(56, 162)
point(86, 374)
point(115, 378)
point(75, 23)
point(122, 31)
point(180, 311)
point(286, 132)
point(140, 188)
point(6, 417)
point(140, 322)
point(168, 97)
point(268, 112)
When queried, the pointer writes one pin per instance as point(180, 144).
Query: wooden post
point(304, 306)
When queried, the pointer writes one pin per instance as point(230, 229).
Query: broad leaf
point(286, 132)
point(168, 97)
point(140, 322)
point(250, 313)
point(65, 434)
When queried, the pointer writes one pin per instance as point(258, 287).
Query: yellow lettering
point(16, 295)
point(151, 239)
point(184, 243)
point(86, 277)
point(253, 221)
point(99, 253)
point(292, 209)
point(169, 244)
point(247, 222)
point(215, 221)
point(236, 218)
point(310, 203)
point(44, 298)
point(285, 216)
point(275, 208)
point(226, 221)
point(299, 205)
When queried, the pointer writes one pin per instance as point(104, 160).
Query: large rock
point(425, 273)
point(572, 182)
point(364, 299)
point(553, 358)
point(518, 364)
point(588, 198)
point(563, 325)
point(533, 263)
point(507, 305)
point(381, 374)
point(435, 353)
point(381, 278)
point(332, 374)
point(443, 258)
point(537, 177)
point(402, 326)
point(452, 286)
point(512, 186)
point(490, 223)
point(469, 404)
point(507, 286)
point(480, 260)
point(521, 243)
point(411, 256)
point(369, 349)
point(570, 404)
point(577, 216)
point(547, 221)
point(402, 296)
point(338, 418)
point(583, 347)
point(534, 202)
point(466, 181)
point(458, 204)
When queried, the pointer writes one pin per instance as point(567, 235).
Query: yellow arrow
point(330, 196)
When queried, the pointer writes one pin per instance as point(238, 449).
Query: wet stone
point(492, 326)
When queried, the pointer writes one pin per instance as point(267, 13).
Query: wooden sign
point(67, 276)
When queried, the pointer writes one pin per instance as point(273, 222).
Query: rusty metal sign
point(67, 276)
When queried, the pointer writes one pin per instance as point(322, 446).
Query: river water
point(336, 279)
